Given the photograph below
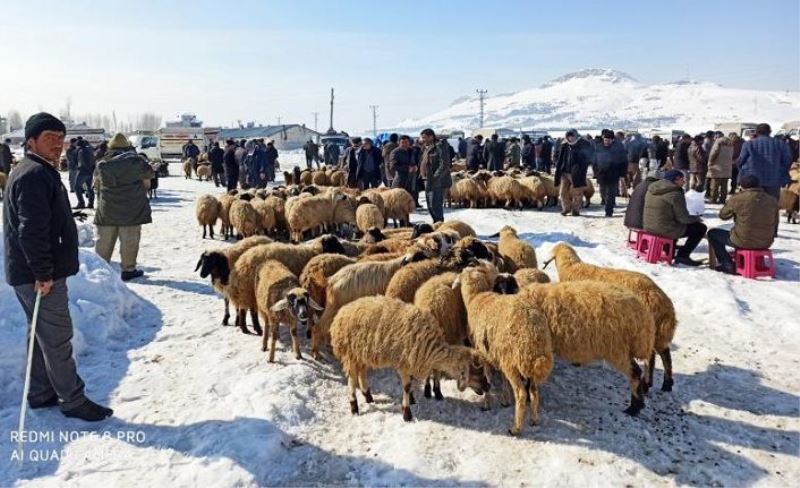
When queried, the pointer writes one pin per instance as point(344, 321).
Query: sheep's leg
point(637, 389)
point(273, 332)
point(427, 390)
point(265, 337)
point(666, 360)
point(315, 340)
point(204, 231)
point(211, 230)
point(437, 387)
point(295, 340)
point(241, 320)
point(351, 390)
point(407, 396)
point(533, 396)
point(363, 384)
point(651, 367)
point(520, 395)
point(227, 316)
point(256, 323)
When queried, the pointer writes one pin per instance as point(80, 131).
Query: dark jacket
point(331, 153)
point(191, 151)
point(462, 148)
point(574, 160)
point(361, 161)
point(610, 163)
point(436, 163)
point(41, 239)
point(86, 163)
point(665, 211)
point(547, 151)
point(311, 150)
point(681, 158)
point(634, 148)
point(634, 214)
point(767, 158)
point(401, 160)
point(217, 156)
point(386, 155)
point(271, 155)
point(231, 166)
point(122, 198)
point(72, 157)
point(494, 155)
point(350, 163)
point(698, 159)
point(5, 158)
point(474, 155)
point(755, 215)
point(528, 155)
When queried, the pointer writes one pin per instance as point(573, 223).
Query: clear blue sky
point(256, 60)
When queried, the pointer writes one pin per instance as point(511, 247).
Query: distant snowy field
point(197, 404)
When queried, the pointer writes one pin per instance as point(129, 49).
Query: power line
point(316, 116)
point(481, 93)
point(374, 120)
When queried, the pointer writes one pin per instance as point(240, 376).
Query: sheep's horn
point(200, 262)
point(316, 306)
point(548, 262)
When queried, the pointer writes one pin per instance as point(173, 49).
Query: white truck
point(172, 140)
point(147, 144)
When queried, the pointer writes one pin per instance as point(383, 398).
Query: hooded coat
point(720, 159)
point(121, 193)
point(574, 160)
point(665, 212)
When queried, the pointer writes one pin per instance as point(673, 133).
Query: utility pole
point(330, 129)
point(481, 93)
point(279, 120)
point(316, 116)
point(374, 120)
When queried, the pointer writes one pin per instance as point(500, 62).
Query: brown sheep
point(225, 213)
point(529, 276)
point(462, 228)
point(516, 253)
point(368, 216)
point(204, 172)
point(266, 215)
point(399, 205)
point(571, 268)
point(244, 217)
point(316, 272)
point(207, 210)
point(379, 332)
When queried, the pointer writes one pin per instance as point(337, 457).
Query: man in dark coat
point(494, 154)
point(350, 162)
point(5, 157)
point(680, 159)
point(312, 153)
point(610, 164)
point(386, 154)
point(435, 168)
point(331, 154)
point(574, 159)
point(192, 152)
point(547, 153)
point(368, 165)
point(72, 163)
point(271, 159)
point(83, 180)
point(528, 153)
point(474, 153)
point(41, 251)
point(462, 148)
point(634, 214)
point(216, 156)
point(405, 169)
point(231, 166)
point(767, 158)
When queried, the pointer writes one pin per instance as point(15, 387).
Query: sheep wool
point(516, 252)
point(399, 205)
point(207, 210)
point(314, 277)
point(244, 218)
point(462, 228)
point(367, 216)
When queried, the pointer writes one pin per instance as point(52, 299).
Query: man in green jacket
point(435, 168)
point(513, 154)
point(755, 215)
point(122, 179)
point(665, 215)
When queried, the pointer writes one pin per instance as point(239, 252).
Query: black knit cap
point(41, 122)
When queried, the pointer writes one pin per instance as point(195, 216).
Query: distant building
point(287, 137)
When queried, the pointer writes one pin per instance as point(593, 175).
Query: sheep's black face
point(459, 258)
point(506, 284)
point(246, 197)
point(330, 244)
point(215, 265)
point(376, 234)
point(421, 228)
point(415, 258)
point(310, 189)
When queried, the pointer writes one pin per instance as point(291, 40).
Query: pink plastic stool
point(655, 249)
point(754, 263)
point(633, 238)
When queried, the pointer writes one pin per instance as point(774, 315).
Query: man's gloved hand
point(80, 216)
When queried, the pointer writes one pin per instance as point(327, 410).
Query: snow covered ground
point(197, 404)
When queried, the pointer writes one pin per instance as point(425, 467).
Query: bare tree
point(14, 120)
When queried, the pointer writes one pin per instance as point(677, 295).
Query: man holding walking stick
point(41, 245)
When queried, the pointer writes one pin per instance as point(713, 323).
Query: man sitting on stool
point(665, 215)
point(754, 212)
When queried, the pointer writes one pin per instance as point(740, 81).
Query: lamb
point(319, 178)
point(507, 189)
point(218, 265)
point(338, 178)
point(244, 217)
point(316, 272)
point(266, 215)
point(305, 177)
point(463, 229)
point(536, 190)
point(281, 299)
point(512, 334)
point(790, 201)
point(278, 208)
point(207, 210)
point(225, 213)
point(344, 212)
point(516, 252)
point(187, 168)
point(399, 205)
point(380, 332)
point(203, 172)
point(571, 268)
point(368, 216)
point(597, 321)
point(374, 197)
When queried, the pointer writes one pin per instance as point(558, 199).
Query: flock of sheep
point(431, 302)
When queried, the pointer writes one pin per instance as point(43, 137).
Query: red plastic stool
point(753, 263)
point(655, 249)
point(633, 238)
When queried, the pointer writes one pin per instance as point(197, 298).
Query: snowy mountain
point(594, 98)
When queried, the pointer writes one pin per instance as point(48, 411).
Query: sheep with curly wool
point(505, 189)
point(368, 216)
point(225, 202)
point(266, 215)
point(399, 204)
point(530, 276)
point(207, 210)
point(571, 268)
point(243, 216)
point(311, 213)
point(316, 272)
point(376, 198)
point(281, 300)
point(379, 332)
point(204, 172)
point(512, 334)
point(462, 228)
point(516, 252)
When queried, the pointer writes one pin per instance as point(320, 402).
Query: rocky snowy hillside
point(594, 98)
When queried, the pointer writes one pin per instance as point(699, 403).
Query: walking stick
point(27, 385)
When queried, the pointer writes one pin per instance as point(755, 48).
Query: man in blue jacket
point(41, 246)
point(766, 158)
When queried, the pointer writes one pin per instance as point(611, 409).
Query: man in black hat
point(41, 246)
point(231, 166)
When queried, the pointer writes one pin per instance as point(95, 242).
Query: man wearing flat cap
point(41, 246)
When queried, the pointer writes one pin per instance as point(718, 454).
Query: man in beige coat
point(720, 167)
